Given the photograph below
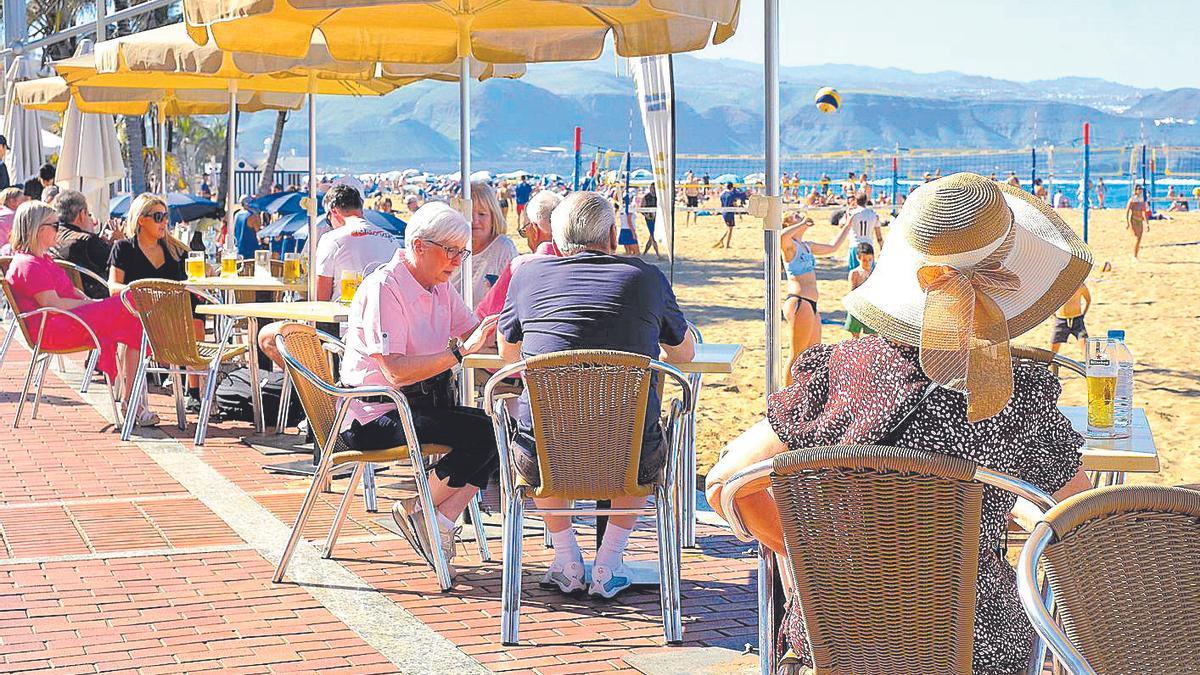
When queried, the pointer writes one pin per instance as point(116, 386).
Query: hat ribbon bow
point(964, 334)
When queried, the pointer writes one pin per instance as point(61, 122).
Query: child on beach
point(858, 276)
point(1068, 320)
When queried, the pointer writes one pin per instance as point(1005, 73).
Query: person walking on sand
point(650, 201)
point(732, 197)
point(1068, 320)
point(858, 276)
point(1100, 190)
point(1136, 220)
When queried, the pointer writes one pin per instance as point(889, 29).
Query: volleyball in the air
point(828, 100)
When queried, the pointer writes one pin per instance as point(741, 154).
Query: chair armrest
point(1032, 502)
point(63, 312)
point(81, 270)
point(754, 477)
point(1037, 603)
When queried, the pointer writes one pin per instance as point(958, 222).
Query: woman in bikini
point(800, 306)
point(1135, 219)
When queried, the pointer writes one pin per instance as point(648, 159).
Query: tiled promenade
point(156, 556)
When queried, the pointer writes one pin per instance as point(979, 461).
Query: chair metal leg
point(668, 568)
point(335, 529)
point(547, 541)
point(441, 566)
point(133, 397)
point(285, 402)
point(177, 385)
point(112, 398)
point(9, 331)
point(485, 553)
point(370, 499)
point(89, 369)
point(41, 381)
point(210, 390)
point(33, 361)
point(766, 611)
point(310, 498)
point(510, 603)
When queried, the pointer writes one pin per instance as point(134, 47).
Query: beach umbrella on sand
point(22, 127)
point(446, 31)
point(90, 159)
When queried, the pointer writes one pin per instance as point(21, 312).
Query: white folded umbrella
point(22, 127)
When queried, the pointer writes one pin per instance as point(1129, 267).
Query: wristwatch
point(456, 350)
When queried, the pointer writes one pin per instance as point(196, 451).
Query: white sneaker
point(568, 578)
point(144, 418)
point(608, 582)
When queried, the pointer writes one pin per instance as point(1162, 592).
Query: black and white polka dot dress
point(855, 392)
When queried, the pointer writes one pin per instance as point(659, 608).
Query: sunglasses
point(157, 216)
point(452, 252)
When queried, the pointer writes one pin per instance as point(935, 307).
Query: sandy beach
point(722, 292)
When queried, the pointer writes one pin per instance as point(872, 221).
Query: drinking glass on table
point(229, 261)
point(262, 263)
point(291, 267)
point(195, 265)
point(350, 282)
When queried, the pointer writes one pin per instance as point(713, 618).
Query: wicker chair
point(325, 404)
point(40, 359)
point(169, 342)
point(1123, 566)
point(1055, 362)
point(882, 550)
point(588, 409)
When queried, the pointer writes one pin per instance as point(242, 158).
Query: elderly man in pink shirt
point(409, 328)
point(10, 199)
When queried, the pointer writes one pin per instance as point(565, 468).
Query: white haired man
point(591, 299)
point(404, 316)
point(536, 231)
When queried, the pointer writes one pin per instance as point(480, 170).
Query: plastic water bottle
point(1123, 399)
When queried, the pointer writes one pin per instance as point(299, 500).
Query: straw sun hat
point(970, 264)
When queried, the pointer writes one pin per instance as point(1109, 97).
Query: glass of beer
point(350, 282)
point(291, 267)
point(229, 261)
point(195, 265)
point(1101, 387)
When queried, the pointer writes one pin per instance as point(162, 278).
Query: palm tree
point(268, 170)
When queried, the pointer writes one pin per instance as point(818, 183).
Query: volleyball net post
point(1033, 169)
point(1087, 176)
point(578, 157)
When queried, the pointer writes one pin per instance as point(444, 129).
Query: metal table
point(1111, 458)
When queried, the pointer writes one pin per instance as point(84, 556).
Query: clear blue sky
point(1010, 39)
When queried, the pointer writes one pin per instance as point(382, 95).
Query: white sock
point(444, 524)
point(612, 547)
point(566, 547)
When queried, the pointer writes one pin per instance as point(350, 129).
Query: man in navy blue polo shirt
point(522, 193)
point(591, 299)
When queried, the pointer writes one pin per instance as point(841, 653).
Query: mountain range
point(719, 111)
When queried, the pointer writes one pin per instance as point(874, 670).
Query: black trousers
point(468, 432)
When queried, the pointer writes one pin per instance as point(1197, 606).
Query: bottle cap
point(1116, 335)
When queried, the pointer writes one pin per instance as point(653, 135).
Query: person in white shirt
point(353, 245)
point(864, 227)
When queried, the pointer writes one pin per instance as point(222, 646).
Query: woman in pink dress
point(37, 281)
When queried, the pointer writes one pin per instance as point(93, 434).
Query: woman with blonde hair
point(971, 264)
point(37, 281)
point(150, 251)
point(491, 249)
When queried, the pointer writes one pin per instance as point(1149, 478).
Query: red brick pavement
point(69, 486)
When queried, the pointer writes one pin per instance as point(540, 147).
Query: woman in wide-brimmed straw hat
point(970, 264)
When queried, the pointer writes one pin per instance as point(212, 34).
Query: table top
point(323, 311)
point(1135, 454)
point(711, 358)
point(247, 284)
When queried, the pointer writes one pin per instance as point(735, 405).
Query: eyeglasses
point(157, 216)
point(452, 252)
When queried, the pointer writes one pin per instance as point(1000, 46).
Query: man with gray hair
point(591, 299)
point(409, 328)
point(78, 241)
point(536, 231)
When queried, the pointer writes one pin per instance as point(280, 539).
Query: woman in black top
point(149, 251)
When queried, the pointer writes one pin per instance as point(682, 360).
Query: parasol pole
point(464, 183)
point(771, 269)
point(230, 199)
point(162, 150)
point(312, 185)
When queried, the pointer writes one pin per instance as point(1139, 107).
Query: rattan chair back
point(1045, 357)
point(589, 411)
point(9, 298)
point(303, 344)
point(165, 308)
point(1124, 566)
point(883, 546)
